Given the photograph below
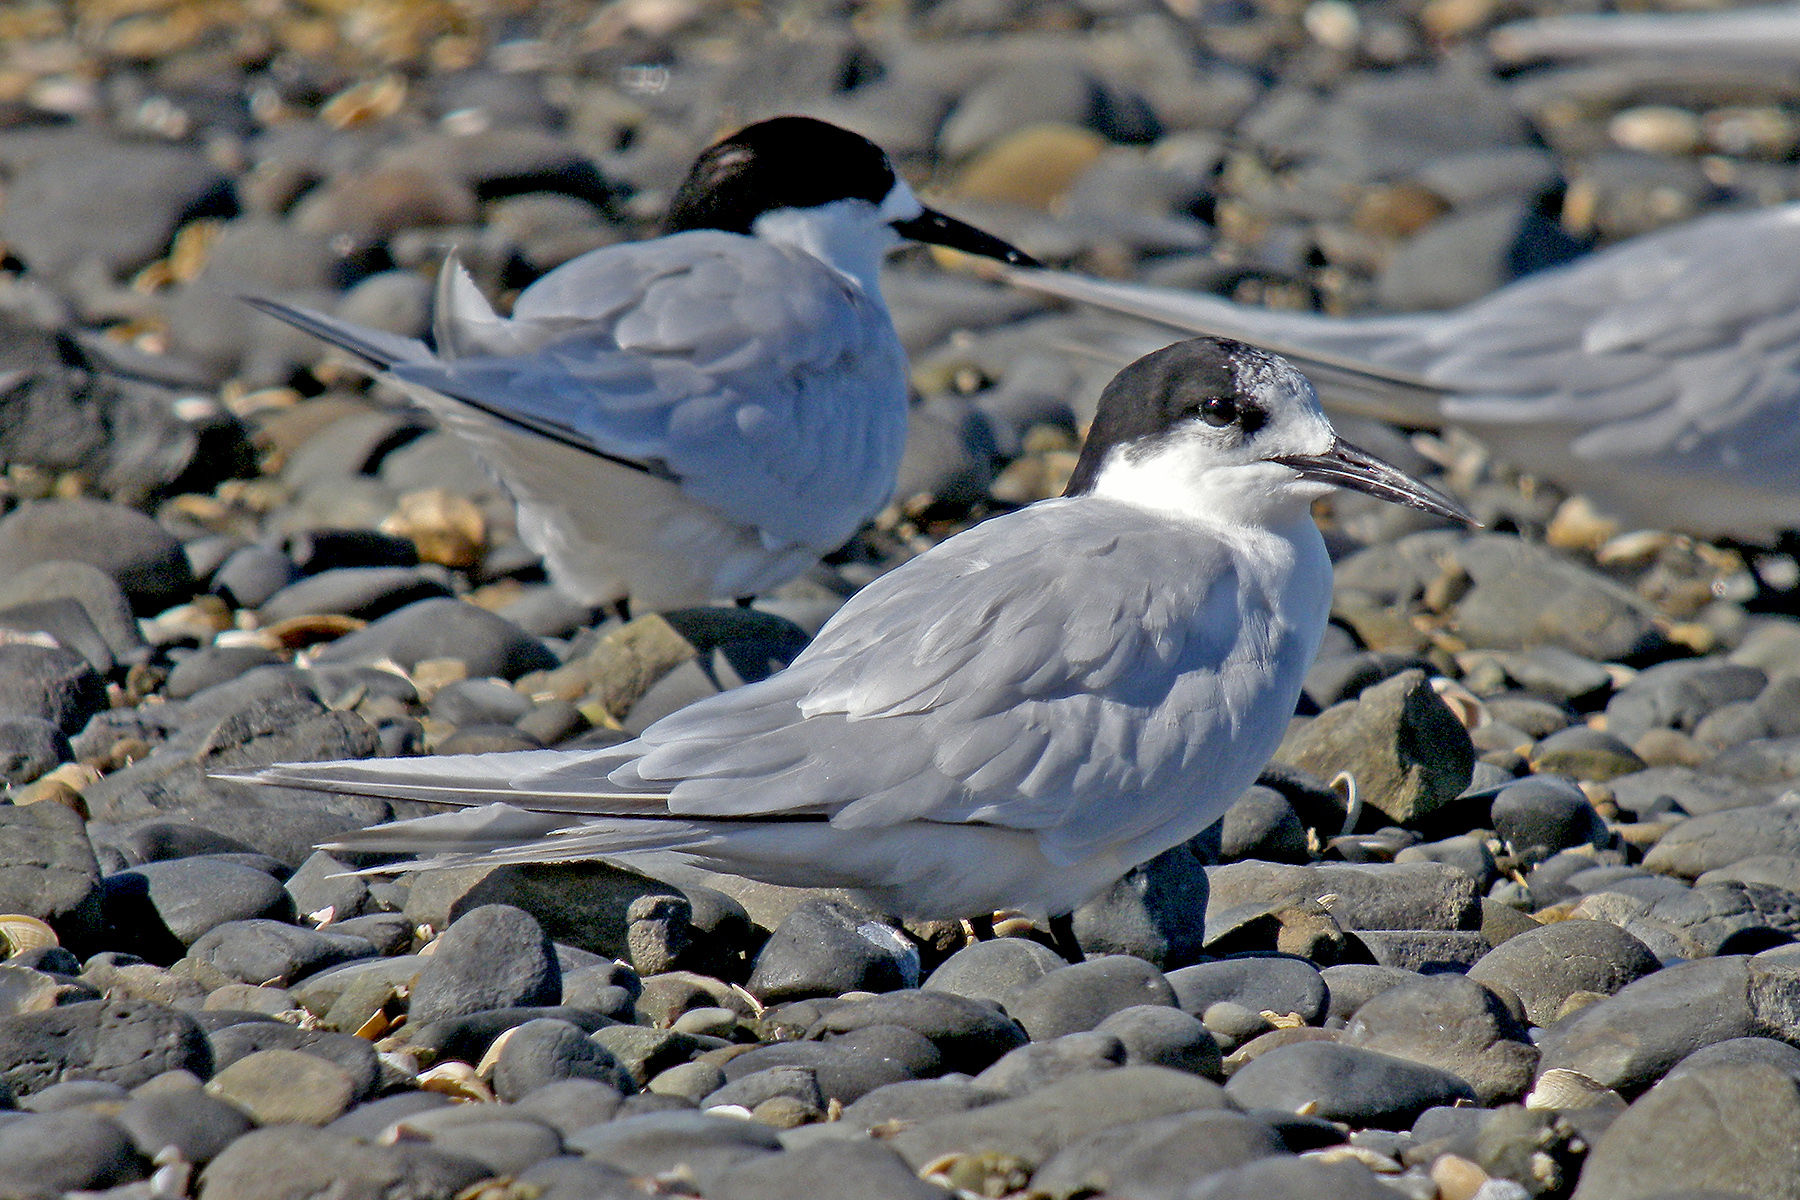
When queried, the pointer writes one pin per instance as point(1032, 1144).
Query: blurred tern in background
point(1661, 377)
point(701, 415)
point(1762, 34)
point(1011, 720)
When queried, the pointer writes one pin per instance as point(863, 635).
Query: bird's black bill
point(1349, 466)
point(942, 230)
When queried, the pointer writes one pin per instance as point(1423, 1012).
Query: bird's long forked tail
point(1344, 382)
point(377, 349)
point(494, 822)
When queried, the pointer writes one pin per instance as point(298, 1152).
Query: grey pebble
point(505, 1145)
point(794, 1082)
point(355, 1056)
point(570, 1178)
point(199, 1126)
point(1077, 997)
point(145, 560)
point(202, 669)
point(570, 1104)
point(993, 970)
point(444, 628)
point(46, 1155)
point(1368, 896)
point(324, 882)
point(1731, 1128)
point(268, 1164)
point(1291, 1179)
point(656, 1143)
point(108, 635)
point(494, 956)
point(643, 1053)
point(969, 1034)
point(48, 869)
point(824, 948)
point(1156, 912)
point(29, 747)
point(1631, 1039)
point(851, 1065)
point(1031, 1067)
point(1261, 983)
point(1544, 966)
point(1544, 814)
point(263, 951)
point(1343, 1083)
point(362, 592)
point(158, 907)
point(1156, 1035)
point(543, 1052)
point(252, 574)
point(861, 1169)
point(1035, 1127)
point(49, 684)
point(1160, 1158)
point(1454, 1023)
point(115, 1041)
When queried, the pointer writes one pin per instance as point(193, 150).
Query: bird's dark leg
point(621, 608)
point(745, 601)
point(1062, 938)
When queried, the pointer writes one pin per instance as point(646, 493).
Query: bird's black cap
point(784, 162)
point(1158, 390)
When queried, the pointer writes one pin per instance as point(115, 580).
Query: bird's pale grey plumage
point(1763, 33)
point(1661, 376)
point(1012, 719)
point(701, 415)
point(744, 399)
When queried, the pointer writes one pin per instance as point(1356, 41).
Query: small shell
point(456, 1080)
point(1561, 1088)
point(20, 933)
point(490, 1060)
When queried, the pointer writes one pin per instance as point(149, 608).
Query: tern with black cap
point(702, 415)
point(1011, 720)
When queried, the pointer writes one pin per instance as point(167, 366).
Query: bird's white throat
point(849, 236)
point(1182, 481)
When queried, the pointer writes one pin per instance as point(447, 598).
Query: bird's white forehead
point(1271, 379)
point(900, 204)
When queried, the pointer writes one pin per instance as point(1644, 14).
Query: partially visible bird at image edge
point(1660, 376)
point(702, 415)
point(1011, 720)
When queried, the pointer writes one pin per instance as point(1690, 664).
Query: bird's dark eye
point(1217, 411)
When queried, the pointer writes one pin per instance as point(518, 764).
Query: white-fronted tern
point(1660, 376)
point(701, 415)
point(1011, 720)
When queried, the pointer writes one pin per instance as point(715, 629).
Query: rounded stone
point(1546, 965)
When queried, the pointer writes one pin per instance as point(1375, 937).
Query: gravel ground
point(1549, 950)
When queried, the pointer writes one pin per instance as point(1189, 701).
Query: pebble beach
point(1514, 913)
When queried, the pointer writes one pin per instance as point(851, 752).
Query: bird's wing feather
point(1347, 361)
point(764, 383)
point(1058, 699)
point(1678, 347)
point(1054, 678)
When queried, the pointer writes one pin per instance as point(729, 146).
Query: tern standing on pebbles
point(1011, 720)
point(702, 415)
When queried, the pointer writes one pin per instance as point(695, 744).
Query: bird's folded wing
point(1343, 359)
point(758, 379)
point(1052, 679)
point(1652, 346)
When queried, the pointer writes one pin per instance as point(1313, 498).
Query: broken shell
point(457, 1080)
point(1561, 1088)
point(20, 933)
